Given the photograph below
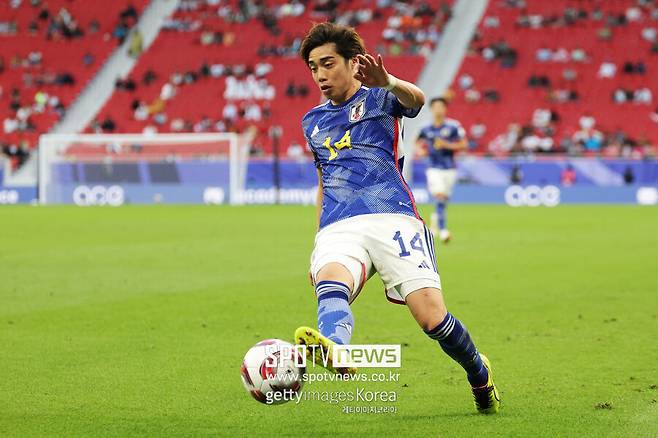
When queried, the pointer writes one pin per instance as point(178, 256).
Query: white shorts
point(440, 181)
point(400, 248)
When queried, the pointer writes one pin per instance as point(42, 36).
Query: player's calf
point(335, 319)
point(428, 308)
point(456, 342)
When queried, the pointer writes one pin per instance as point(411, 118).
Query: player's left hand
point(371, 71)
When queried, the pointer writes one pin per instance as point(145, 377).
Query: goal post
point(116, 169)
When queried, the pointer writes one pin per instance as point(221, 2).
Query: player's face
point(439, 110)
point(332, 73)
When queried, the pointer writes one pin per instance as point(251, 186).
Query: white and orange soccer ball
point(270, 371)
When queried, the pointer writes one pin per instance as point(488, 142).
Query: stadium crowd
point(252, 88)
point(560, 86)
point(36, 88)
point(249, 87)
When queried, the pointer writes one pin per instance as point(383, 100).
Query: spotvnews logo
point(342, 356)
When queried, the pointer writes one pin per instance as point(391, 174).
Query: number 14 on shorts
point(416, 244)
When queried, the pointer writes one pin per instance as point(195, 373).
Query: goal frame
point(50, 145)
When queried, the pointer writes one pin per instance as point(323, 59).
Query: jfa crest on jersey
point(357, 146)
point(357, 110)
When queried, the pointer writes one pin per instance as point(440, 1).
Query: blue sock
point(335, 320)
point(441, 214)
point(456, 342)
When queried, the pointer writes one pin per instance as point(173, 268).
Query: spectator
point(291, 90)
point(604, 33)
point(539, 81)
point(649, 34)
point(262, 69)
point(302, 90)
point(203, 125)
point(167, 91)
point(491, 21)
point(543, 54)
point(266, 110)
point(125, 84)
point(88, 59)
point(94, 27)
point(253, 112)
point(141, 112)
point(640, 68)
point(643, 96)
point(120, 31)
point(34, 58)
point(633, 13)
point(541, 118)
point(64, 78)
point(491, 96)
point(560, 55)
point(504, 143)
point(569, 74)
point(629, 176)
point(619, 95)
point(586, 122)
point(590, 139)
point(516, 175)
point(136, 41)
point(476, 132)
point(129, 13)
point(578, 55)
point(108, 124)
point(472, 96)
point(607, 70)
point(568, 176)
point(465, 81)
point(230, 111)
point(149, 77)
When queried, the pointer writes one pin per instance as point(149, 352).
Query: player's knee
point(335, 272)
point(427, 307)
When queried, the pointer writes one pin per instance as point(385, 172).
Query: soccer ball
point(270, 371)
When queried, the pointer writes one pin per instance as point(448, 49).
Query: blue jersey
point(357, 146)
point(450, 130)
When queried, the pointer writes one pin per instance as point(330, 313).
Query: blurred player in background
point(440, 141)
point(368, 220)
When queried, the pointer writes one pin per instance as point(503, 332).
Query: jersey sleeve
point(308, 146)
point(305, 125)
point(393, 107)
point(316, 161)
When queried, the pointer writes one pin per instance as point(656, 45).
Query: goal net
point(116, 169)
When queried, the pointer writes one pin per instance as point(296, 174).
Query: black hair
point(439, 99)
point(347, 40)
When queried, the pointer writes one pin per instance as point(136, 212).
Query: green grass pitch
point(134, 320)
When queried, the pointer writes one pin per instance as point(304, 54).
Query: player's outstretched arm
point(454, 145)
point(372, 73)
point(459, 144)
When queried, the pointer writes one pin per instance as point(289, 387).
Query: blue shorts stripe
point(430, 245)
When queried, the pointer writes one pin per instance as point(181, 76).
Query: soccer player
point(441, 140)
point(367, 217)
